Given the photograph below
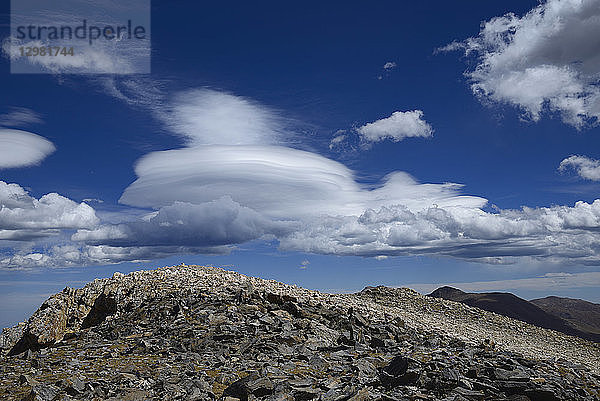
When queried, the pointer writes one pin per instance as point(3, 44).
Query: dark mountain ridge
point(583, 315)
point(566, 315)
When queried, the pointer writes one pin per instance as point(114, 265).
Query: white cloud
point(566, 233)
point(208, 117)
point(317, 205)
point(83, 255)
point(389, 65)
point(400, 125)
point(207, 198)
point(216, 223)
point(277, 181)
point(21, 148)
point(587, 168)
point(548, 59)
point(19, 117)
point(23, 217)
point(140, 92)
point(547, 283)
point(337, 140)
point(282, 181)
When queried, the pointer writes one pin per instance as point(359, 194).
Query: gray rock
point(42, 392)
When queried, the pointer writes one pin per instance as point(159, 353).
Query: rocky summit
point(201, 333)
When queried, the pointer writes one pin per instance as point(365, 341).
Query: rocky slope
point(541, 313)
point(198, 333)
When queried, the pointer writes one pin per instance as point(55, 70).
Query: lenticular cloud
point(22, 148)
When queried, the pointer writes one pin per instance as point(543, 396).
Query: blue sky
point(319, 145)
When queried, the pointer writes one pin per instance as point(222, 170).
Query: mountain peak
point(199, 333)
point(446, 291)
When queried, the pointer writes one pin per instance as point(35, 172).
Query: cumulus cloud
point(23, 217)
point(585, 167)
point(559, 233)
point(19, 117)
point(21, 148)
point(75, 255)
point(400, 125)
point(37, 231)
point(216, 223)
point(548, 59)
point(566, 233)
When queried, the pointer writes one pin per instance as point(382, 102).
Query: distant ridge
point(583, 315)
point(550, 313)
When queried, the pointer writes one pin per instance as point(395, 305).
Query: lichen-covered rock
point(10, 336)
point(49, 323)
point(64, 313)
point(198, 333)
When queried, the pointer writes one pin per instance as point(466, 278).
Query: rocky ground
point(198, 333)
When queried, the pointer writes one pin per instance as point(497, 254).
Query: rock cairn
point(201, 333)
